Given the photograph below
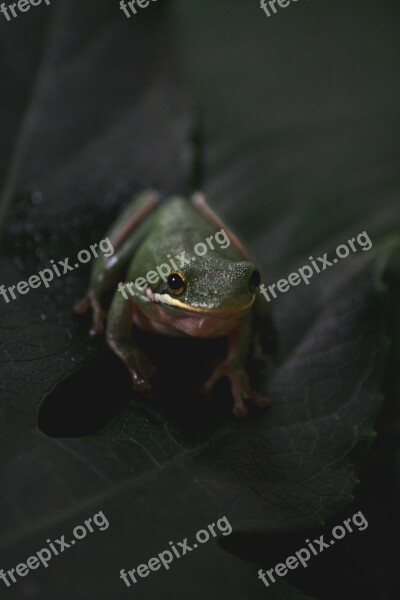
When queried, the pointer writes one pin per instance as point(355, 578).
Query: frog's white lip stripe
point(169, 301)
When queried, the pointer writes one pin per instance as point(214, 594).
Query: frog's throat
point(167, 300)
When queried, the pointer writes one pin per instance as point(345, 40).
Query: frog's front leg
point(233, 367)
point(119, 339)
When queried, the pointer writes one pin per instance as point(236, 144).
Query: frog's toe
point(99, 318)
point(99, 315)
point(141, 376)
point(240, 386)
point(82, 306)
point(218, 373)
point(141, 384)
point(241, 391)
point(240, 411)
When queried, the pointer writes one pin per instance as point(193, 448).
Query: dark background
point(290, 125)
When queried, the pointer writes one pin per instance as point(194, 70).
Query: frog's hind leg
point(125, 236)
point(99, 315)
point(200, 203)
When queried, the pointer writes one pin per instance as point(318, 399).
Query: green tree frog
point(205, 296)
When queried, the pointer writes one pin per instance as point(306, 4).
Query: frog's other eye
point(176, 283)
point(255, 279)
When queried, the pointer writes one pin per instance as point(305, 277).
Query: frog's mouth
point(168, 301)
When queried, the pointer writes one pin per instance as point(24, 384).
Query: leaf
point(105, 117)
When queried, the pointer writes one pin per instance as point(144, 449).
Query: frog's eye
point(255, 279)
point(176, 283)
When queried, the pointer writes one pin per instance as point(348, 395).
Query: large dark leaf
point(300, 154)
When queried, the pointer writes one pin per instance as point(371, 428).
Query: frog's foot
point(241, 389)
point(141, 375)
point(99, 315)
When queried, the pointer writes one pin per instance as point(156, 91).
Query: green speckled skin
point(218, 299)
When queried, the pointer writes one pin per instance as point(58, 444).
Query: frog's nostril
point(255, 279)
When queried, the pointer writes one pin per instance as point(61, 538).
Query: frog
point(208, 294)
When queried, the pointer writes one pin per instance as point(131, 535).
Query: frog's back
point(178, 223)
point(176, 213)
point(176, 227)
